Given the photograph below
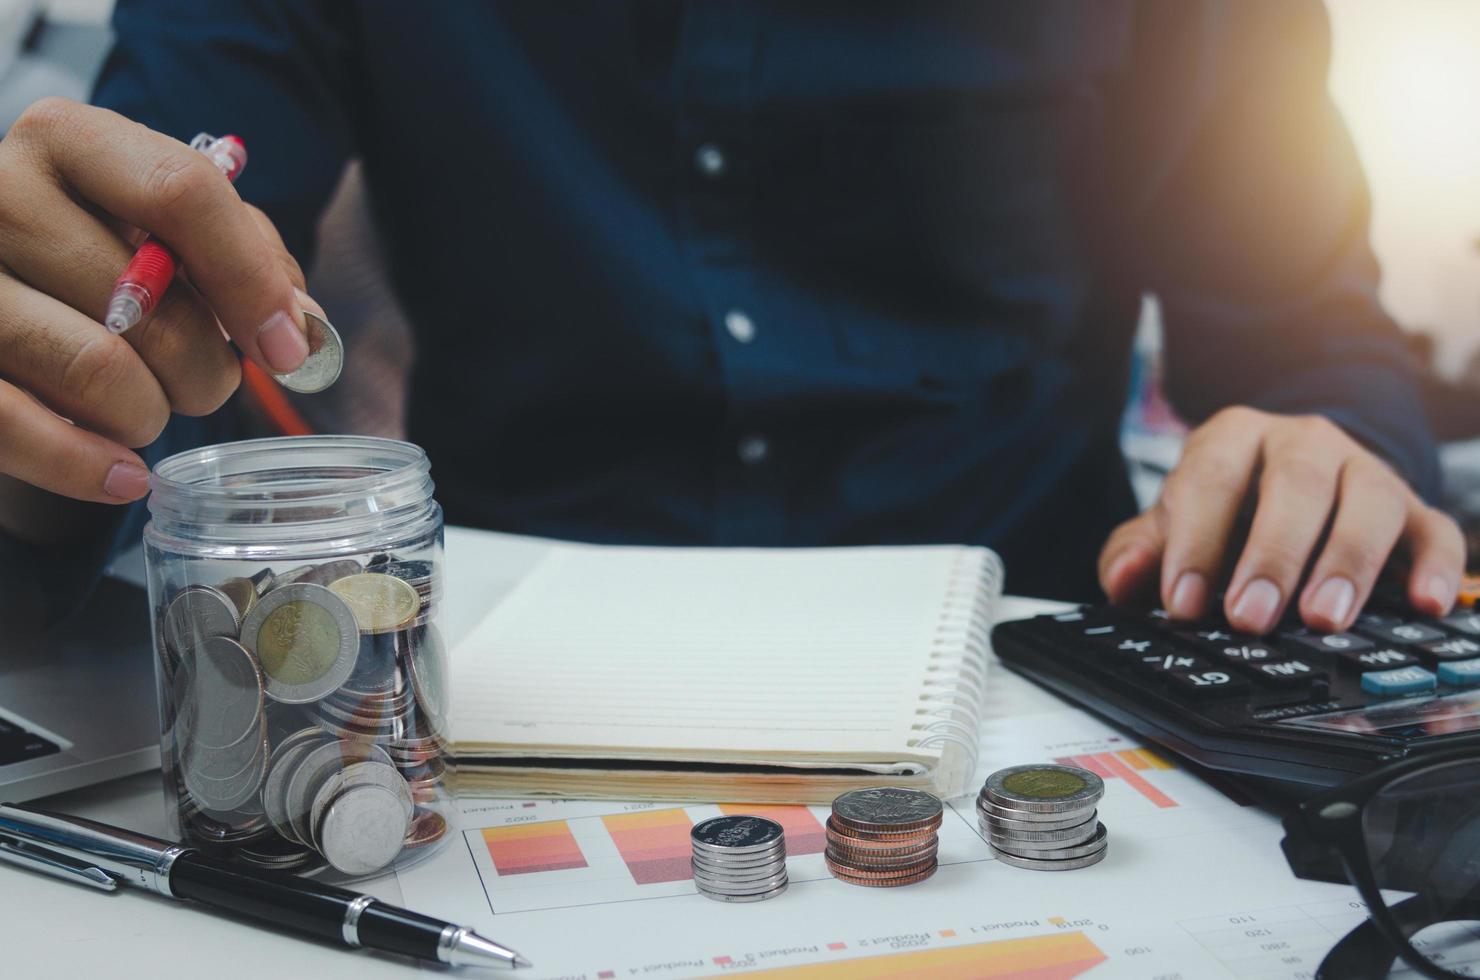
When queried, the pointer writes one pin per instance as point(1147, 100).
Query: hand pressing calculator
point(1297, 705)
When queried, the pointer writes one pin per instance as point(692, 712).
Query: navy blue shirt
point(813, 273)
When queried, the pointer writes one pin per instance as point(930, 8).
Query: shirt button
point(710, 160)
point(740, 326)
point(753, 450)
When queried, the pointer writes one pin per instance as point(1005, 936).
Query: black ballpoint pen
point(103, 857)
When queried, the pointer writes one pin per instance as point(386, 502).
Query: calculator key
point(1377, 619)
point(1287, 673)
point(1403, 633)
point(1206, 683)
point(1143, 646)
point(1454, 648)
point(1106, 633)
point(1211, 640)
point(1464, 622)
point(1162, 664)
point(1248, 655)
point(1069, 617)
point(1469, 591)
point(1383, 658)
point(23, 746)
point(1460, 673)
point(1329, 642)
point(1404, 680)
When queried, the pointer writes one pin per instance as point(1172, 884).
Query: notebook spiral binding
point(955, 687)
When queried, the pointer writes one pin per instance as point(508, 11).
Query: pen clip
point(38, 858)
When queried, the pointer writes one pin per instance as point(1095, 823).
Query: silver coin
point(737, 877)
point(742, 888)
point(427, 665)
point(222, 694)
point(1095, 842)
point(883, 808)
point(210, 763)
point(329, 571)
point(195, 613)
point(736, 834)
point(739, 863)
point(1044, 788)
point(242, 592)
point(275, 854)
point(264, 581)
point(759, 869)
point(315, 767)
point(1038, 864)
point(226, 795)
point(1024, 820)
point(280, 767)
point(238, 830)
point(325, 358)
point(1068, 837)
point(360, 774)
point(309, 654)
point(362, 830)
point(743, 898)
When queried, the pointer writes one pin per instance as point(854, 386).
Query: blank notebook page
point(735, 655)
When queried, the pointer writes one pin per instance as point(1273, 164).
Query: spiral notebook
point(755, 675)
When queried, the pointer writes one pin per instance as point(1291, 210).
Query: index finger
point(163, 186)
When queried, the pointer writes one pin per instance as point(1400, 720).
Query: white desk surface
point(49, 928)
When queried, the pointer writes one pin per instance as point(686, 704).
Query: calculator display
point(1410, 718)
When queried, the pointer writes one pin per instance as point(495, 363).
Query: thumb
point(1131, 558)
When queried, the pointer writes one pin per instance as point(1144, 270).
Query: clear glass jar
point(296, 586)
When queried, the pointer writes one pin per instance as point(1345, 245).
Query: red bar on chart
point(804, 835)
point(525, 848)
point(653, 843)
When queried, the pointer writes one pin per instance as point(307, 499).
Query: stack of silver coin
point(306, 714)
point(739, 858)
point(1043, 817)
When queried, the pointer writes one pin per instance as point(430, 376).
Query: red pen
point(149, 272)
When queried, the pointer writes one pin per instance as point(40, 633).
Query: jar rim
point(169, 476)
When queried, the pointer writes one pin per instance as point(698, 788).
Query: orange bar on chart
point(804, 835)
point(1055, 957)
point(1110, 765)
point(654, 844)
point(525, 848)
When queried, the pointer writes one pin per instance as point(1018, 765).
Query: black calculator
point(1296, 705)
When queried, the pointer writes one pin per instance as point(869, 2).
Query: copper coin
point(861, 839)
point(427, 827)
point(896, 871)
point(874, 881)
point(867, 860)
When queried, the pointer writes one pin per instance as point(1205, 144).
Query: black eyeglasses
point(1408, 837)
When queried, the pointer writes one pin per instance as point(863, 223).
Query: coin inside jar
point(362, 830)
point(381, 603)
point(306, 639)
point(220, 689)
point(197, 612)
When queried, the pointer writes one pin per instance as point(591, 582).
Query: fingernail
point(126, 481)
point(1188, 596)
point(307, 302)
point(1334, 599)
point(1441, 590)
point(1257, 605)
point(282, 343)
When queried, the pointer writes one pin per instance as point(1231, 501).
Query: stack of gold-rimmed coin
point(1043, 817)
point(739, 858)
point(884, 836)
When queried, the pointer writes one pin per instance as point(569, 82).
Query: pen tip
point(521, 961)
point(467, 948)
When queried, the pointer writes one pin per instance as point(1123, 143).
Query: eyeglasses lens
point(1422, 834)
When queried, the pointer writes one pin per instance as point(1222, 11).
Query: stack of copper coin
point(884, 836)
point(1043, 817)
